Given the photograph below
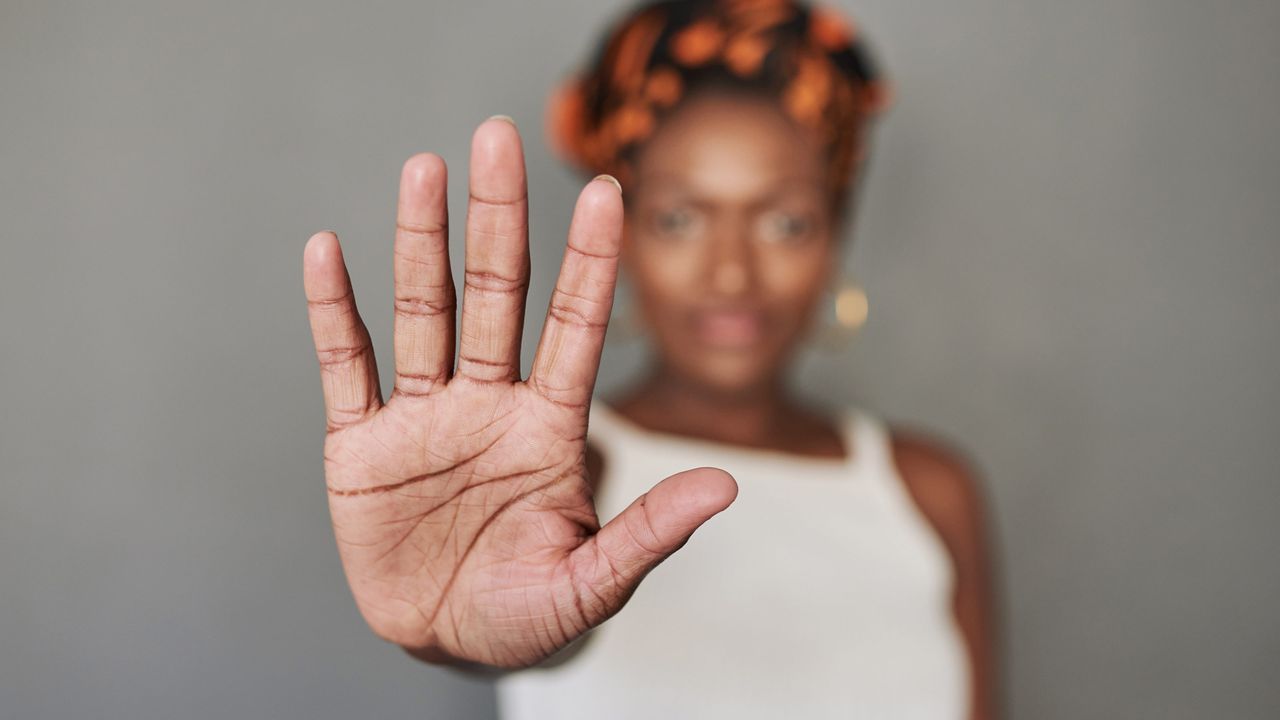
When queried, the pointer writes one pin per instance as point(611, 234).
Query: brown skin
point(730, 240)
point(462, 504)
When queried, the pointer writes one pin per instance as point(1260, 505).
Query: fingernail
point(611, 179)
point(504, 118)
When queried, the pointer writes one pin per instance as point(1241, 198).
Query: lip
point(729, 328)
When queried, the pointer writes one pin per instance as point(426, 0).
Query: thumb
point(609, 566)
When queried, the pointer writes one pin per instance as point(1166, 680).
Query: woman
point(850, 577)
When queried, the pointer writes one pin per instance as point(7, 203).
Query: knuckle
point(485, 370)
point(567, 398)
point(492, 282)
point(417, 385)
point(577, 310)
point(643, 533)
point(341, 302)
point(428, 231)
point(494, 202)
point(589, 255)
point(339, 418)
point(422, 263)
point(341, 355)
point(422, 306)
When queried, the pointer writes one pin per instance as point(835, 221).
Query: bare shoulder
point(944, 485)
point(947, 490)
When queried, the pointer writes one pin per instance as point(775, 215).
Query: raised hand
point(461, 506)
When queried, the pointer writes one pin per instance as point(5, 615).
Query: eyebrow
point(782, 185)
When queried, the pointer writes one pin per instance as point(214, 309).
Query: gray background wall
point(1070, 238)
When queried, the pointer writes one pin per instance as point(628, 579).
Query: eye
point(778, 226)
point(680, 222)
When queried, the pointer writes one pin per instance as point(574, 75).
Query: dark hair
point(810, 60)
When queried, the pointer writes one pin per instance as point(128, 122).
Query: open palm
point(461, 506)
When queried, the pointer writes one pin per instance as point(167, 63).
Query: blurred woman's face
point(730, 239)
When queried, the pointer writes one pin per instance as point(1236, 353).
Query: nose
point(731, 260)
point(730, 278)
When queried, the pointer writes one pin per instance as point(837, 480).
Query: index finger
point(564, 369)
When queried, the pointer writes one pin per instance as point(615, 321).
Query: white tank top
point(822, 592)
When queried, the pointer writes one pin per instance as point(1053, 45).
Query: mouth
point(729, 328)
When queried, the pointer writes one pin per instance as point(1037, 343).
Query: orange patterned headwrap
point(810, 59)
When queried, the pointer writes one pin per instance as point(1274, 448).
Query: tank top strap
point(872, 448)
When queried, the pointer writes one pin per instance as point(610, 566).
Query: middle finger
point(497, 256)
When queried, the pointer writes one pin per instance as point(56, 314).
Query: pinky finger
point(348, 370)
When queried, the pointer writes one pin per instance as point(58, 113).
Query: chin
point(731, 374)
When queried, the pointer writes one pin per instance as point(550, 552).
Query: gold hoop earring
point(847, 312)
